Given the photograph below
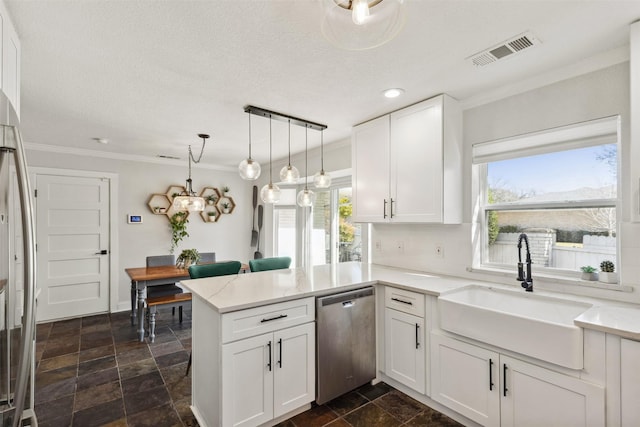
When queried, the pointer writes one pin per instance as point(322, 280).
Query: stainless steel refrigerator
point(17, 286)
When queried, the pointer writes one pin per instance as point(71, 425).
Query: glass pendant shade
point(270, 193)
point(289, 174)
point(188, 203)
point(249, 169)
point(362, 24)
point(322, 179)
point(306, 198)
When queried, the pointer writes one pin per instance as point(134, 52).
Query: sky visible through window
point(591, 167)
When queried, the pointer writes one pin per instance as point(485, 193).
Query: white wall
point(229, 238)
point(594, 95)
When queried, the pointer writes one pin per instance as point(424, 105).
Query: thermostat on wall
point(134, 219)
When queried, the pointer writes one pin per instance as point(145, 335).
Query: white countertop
point(237, 292)
point(241, 291)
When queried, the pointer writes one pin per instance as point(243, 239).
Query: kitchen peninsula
point(254, 348)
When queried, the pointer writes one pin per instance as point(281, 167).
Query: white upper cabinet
point(10, 69)
point(407, 166)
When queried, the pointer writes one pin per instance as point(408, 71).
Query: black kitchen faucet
point(527, 281)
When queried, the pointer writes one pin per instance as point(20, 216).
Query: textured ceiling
point(150, 75)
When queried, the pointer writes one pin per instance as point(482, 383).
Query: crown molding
point(120, 156)
point(589, 65)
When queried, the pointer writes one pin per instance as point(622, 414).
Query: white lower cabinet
point(267, 376)
point(629, 382)
point(493, 389)
point(405, 349)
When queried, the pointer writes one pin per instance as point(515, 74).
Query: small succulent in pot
point(608, 274)
point(589, 273)
point(211, 199)
point(188, 257)
point(225, 189)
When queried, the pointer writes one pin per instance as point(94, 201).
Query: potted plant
point(225, 189)
point(211, 199)
point(225, 207)
point(607, 272)
point(187, 257)
point(589, 273)
point(178, 223)
point(212, 216)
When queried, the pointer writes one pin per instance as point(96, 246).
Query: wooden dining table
point(141, 277)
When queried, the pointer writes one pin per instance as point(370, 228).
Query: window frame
point(580, 135)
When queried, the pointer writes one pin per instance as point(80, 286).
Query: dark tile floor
point(92, 371)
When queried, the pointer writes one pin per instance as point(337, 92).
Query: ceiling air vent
point(507, 48)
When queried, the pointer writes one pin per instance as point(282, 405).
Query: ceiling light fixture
point(393, 92)
point(289, 174)
point(362, 24)
point(249, 169)
point(270, 193)
point(322, 179)
point(187, 200)
point(306, 197)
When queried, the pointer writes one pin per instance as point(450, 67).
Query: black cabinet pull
point(282, 316)
point(490, 374)
point(269, 364)
point(280, 356)
point(403, 302)
point(504, 379)
point(384, 209)
point(102, 252)
point(417, 330)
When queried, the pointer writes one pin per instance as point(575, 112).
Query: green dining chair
point(212, 270)
point(218, 269)
point(265, 264)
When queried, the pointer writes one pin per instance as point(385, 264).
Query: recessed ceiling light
point(101, 140)
point(393, 93)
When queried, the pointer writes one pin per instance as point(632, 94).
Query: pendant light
point(249, 169)
point(306, 197)
point(289, 174)
point(322, 179)
point(362, 24)
point(270, 193)
point(187, 200)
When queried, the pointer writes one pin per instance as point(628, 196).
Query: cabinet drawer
point(268, 318)
point(405, 301)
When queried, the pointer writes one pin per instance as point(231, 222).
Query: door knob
point(102, 252)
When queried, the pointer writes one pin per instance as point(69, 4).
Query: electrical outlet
point(400, 247)
point(378, 245)
point(440, 251)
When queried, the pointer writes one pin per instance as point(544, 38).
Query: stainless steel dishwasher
point(346, 346)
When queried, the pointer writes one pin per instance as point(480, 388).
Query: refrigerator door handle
point(28, 230)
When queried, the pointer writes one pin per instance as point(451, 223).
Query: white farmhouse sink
point(534, 325)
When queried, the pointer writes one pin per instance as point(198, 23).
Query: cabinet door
point(405, 349)
point(536, 396)
point(247, 381)
point(294, 368)
point(370, 161)
point(629, 382)
point(465, 378)
point(416, 156)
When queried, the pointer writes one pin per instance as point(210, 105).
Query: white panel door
point(536, 397)
point(294, 366)
point(405, 352)
point(247, 381)
point(465, 378)
point(416, 162)
point(72, 215)
point(630, 382)
point(370, 182)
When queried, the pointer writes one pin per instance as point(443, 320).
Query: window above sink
point(560, 187)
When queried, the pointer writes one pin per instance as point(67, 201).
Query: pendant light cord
point(270, 138)
point(289, 143)
point(249, 136)
point(189, 181)
point(322, 151)
point(306, 152)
